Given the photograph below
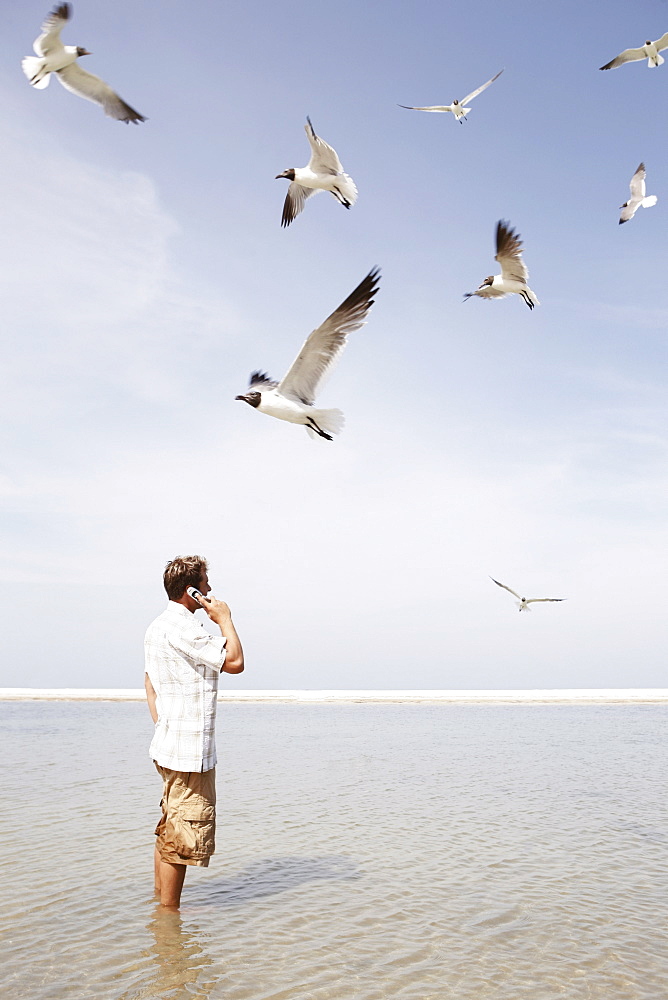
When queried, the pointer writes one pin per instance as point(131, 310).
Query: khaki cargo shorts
point(187, 829)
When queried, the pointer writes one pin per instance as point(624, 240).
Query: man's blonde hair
point(182, 572)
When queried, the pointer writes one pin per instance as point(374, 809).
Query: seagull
point(293, 398)
point(513, 277)
point(638, 197)
point(54, 57)
point(323, 172)
point(649, 51)
point(457, 107)
point(524, 602)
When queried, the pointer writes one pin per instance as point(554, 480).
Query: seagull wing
point(628, 55)
point(92, 88)
point(637, 184)
point(49, 41)
point(324, 159)
point(537, 600)
point(487, 292)
point(469, 97)
point(260, 381)
point(628, 211)
point(509, 253)
point(436, 107)
point(294, 202)
point(505, 588)
point(662, 43)
point(324, 345)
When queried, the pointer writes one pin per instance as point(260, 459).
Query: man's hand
point(218, 611)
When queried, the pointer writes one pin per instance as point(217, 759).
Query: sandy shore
point(576, 696)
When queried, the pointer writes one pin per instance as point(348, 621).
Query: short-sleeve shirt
point(183, 662)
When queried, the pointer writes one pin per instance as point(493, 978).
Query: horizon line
point(332, 696)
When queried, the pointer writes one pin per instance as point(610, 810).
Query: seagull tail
point(32, 67)
point(659, 61)
point(347, 190)
point(650, 200)
point(329, 421)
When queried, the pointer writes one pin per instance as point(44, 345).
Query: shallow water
point(364, 852)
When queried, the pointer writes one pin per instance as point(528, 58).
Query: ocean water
point(365, 852)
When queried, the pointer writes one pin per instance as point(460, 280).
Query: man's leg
point(156, 871)
point(193, 838)
point(171, 883)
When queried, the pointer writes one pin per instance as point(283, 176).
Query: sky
point(144, 274)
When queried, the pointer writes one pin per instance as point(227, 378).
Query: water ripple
point(365, 852)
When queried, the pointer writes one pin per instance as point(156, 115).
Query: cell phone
point(196, 594)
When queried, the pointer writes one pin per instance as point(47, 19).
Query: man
point(183, 663)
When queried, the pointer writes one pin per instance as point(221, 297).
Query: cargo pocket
point(194, 831)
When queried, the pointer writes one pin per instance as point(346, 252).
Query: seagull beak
point(241, 397)
point(278, 176)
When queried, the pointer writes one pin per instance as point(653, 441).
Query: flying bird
point(293, 398)
point(638, 197)
point(458, 108)
point(649, 51)
point(524, 602)
point(323, 172)
point(514, 274)
point(54, 57)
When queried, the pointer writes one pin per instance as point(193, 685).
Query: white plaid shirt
point(183, 662)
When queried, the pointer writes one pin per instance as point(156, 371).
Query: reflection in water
point(179, 960)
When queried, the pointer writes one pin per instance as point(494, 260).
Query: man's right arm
point(151, 697)
point(219, 612)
